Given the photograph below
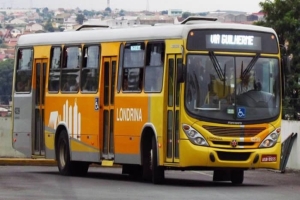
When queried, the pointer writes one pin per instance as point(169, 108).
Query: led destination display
point(233, 40)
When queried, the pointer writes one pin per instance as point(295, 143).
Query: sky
point(135, 5)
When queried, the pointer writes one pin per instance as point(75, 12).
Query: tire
point(158, 172)
point(134, 171)
point(146, 160)
point(67, 167)
point(221, 175)
point(151, 171)
point(237, 177)
point(63, 154)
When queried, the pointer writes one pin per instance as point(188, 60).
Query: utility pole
point(147, 7)
point(108, 3)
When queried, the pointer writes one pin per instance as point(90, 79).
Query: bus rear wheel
point(67, 167)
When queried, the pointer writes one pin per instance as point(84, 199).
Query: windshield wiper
point(217, 66)
point(250, 65)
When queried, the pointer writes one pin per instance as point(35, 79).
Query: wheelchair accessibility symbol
point(96, 103)
point(241, 113)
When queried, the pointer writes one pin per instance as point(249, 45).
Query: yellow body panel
point(131, 115)
point(42, 51)
point(49, 140)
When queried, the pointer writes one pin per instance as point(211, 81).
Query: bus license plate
point(268, 158)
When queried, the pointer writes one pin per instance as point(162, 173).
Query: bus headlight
point(271, 139)
point(194, 136)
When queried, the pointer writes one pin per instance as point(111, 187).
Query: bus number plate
point(269, 158)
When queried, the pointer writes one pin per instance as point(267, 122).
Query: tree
point(122, 12)
point(186, 15)
point(61, 28)
point(284, 18)
point(108, 9)
point(9, 27)
point(80, 18)
point(203, 13)
point(6, 79)
point(45, 11)
point(48, 26)
point(164, 12)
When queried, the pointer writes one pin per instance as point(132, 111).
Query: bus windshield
point(232, 88)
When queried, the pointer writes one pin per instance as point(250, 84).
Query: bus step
point(107, 163)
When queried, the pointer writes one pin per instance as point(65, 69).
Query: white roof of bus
point(128, 34)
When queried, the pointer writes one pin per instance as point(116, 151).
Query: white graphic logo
point(71, 117)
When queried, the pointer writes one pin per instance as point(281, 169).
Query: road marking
point(203, 173)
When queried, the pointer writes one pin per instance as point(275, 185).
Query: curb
point(39, 162)
point(26, 162)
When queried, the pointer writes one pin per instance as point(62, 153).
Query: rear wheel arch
point(146, 138)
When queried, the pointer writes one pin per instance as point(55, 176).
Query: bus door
point(40, 68)
point(173, 112)
point(108, 68)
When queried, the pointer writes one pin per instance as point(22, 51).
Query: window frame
point(141, 82)
point(97, 68)
point(163, 64)
point(59, 69)
point(17, 68)
point(66, 68)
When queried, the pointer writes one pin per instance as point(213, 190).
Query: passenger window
point(90, 69)
point(54, 73)
point(71, 69)
point(134, 61)
point(24, 70)
point(154, 67)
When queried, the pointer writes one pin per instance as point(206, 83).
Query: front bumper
point(210, 157)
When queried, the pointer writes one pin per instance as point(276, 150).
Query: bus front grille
point(228, 144)
point(234, 131)
point(232, 156)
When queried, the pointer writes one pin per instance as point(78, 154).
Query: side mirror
point(285, 60)
point(286, 64)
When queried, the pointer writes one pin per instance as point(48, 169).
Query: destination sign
point(232, 40)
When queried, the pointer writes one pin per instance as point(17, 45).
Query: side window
point(154, 66)
point(71, 69)
point(54, 73)
point(90, 69)
point(133, 65)
point(24, 70)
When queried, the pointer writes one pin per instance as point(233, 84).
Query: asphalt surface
point(42, 182)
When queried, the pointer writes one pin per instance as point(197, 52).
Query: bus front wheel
point(158, 172)
point(151, 170)
point(237, 177)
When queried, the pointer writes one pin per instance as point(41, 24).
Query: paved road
point(44, 183)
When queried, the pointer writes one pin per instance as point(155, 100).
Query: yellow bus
point(200, 95)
